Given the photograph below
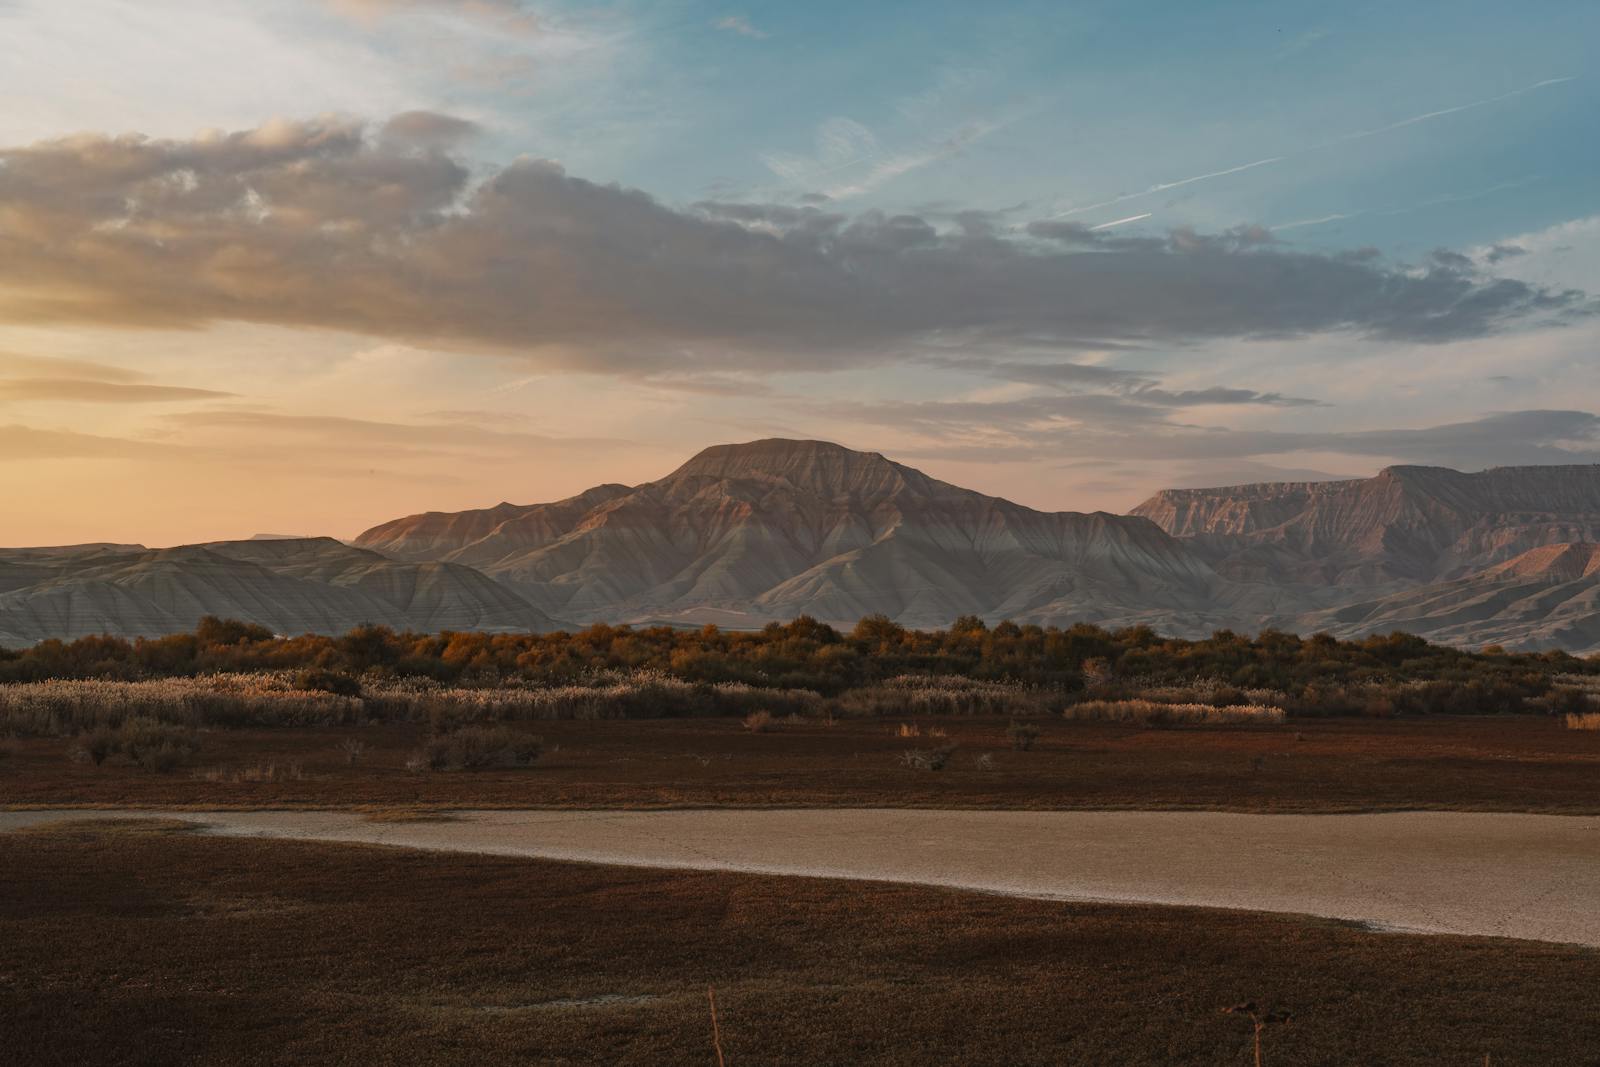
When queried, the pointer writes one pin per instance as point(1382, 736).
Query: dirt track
point(1523, 876)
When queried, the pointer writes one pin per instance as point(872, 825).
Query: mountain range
point(745, 534)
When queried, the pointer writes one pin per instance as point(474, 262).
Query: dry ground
point(1491, 874)
point(1489, 763)
point(142, 944)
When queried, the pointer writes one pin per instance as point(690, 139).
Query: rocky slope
point(1407, 525)
point(1545, 598)
point(310, 585)
point(746, 533)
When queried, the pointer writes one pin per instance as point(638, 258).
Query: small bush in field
point(1589, 720)
point(353, 750)
point(481, 747)
point(149, 743)
point(317, 680)
point(928, 759)
point(983, 761)
point(1151, 713)
point(758, 722)
point(909, 729)
point(1022, 735)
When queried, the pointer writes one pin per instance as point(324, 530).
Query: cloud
point(92, 392)
point(52, 367)
point(327, 223)
point(428, 130)
point(444, 435)
point(1045, 428)
point(23, 443)
point(1136, 387)
point(512, 15)
point(740, 25)
point(845, 146)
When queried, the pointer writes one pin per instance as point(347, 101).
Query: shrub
point(912, 694)
point(758, 722)
point(318, 680)
point(1588, 720)
point(481, 747)
point(148, 743)
point(929, 759)
point(1022, 735)
point(1151, 713)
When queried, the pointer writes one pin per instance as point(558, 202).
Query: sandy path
point(1524, 876)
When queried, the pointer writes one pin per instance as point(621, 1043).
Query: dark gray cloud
point(428, 130)
point(331, 224)
point(1499, 252)
point(1115, 427)
point(1135, 386)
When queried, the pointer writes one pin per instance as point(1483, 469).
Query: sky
point(304, 267)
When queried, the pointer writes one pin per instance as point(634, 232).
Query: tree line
point(809, 654)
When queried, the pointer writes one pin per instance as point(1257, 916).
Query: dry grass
point(476, 748)
point(1585, 720)
point(1155, 713)
point(151, 945)
point(260, 772)
point(915, 694)
point(64, 708)
point(1482, 763)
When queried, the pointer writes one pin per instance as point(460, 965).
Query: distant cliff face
point(1545, 598)
point(1407, 524)
point(767, 530)
point(744, 534)
point(291, 586)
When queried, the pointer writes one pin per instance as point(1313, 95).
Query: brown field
point(145, 944)
point(1491, 763)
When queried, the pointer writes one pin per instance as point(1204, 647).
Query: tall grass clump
point(645, 695)
point(913, 694)
point(1154, 713)
point(1584, 720)
point(472, 748)
point(147, 743)
point(65, 707)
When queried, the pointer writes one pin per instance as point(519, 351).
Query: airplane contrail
point(1164, 186)
point(1120, 222)
point(1447, 198)
point(1425, 116)
point(1359, 134)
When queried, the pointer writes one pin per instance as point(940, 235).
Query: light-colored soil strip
point(1504, 875)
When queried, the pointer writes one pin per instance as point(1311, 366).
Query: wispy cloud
point(741, 25)
point(75, 390)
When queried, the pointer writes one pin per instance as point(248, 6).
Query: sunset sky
point(304, 266)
